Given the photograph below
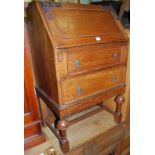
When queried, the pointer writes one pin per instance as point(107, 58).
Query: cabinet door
point(30, 103)
point(32, 127)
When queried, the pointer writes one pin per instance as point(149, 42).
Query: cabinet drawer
point(87, 85)
point(86, 60)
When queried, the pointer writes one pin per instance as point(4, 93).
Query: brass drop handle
point(115, 55)
point(79, 90)
point(77, 63)
point(114, 78)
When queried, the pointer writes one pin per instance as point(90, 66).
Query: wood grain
point(32, 127)
point(73, 23)
point(44, 58)
point(68, 109)
point(60, 31)
point(106, 140)
point(126, 106)
point(91, 84)
point(79, 56)
point(95, 135)
point(94, 57)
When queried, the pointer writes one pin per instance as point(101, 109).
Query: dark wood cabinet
point(32, 127)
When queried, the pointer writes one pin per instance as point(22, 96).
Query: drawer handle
point(114, 78)
point(77, 63)
point(115, 55)
point(79, 90)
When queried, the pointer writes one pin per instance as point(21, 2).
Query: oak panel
point(94, 57)
point(32, 125)
point(88, 85)
point(43, 55)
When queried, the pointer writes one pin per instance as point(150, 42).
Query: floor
point(85, 131)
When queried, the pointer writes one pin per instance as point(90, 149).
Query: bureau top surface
point(73, 24)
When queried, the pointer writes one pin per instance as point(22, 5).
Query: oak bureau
point(79, 56)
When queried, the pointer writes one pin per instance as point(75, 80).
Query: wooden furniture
point(79, 55)
point(125, 145)
point(126, 105)
point(32, 126)
point(96, 135)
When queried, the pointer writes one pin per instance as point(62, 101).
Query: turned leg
point(62, 127)
point(55, 124)
point(119, 101)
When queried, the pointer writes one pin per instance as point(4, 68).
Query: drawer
point(93, 58)
point(87, 85)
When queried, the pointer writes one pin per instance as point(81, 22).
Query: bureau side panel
point(42, 54)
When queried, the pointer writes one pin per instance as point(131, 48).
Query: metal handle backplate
point(77, 63)
point(79, 90)
point(115, 55)
point(114, 78)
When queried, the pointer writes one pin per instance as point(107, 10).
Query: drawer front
point(91, 59)
point(87, 85)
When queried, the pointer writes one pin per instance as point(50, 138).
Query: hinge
point(47, 7)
